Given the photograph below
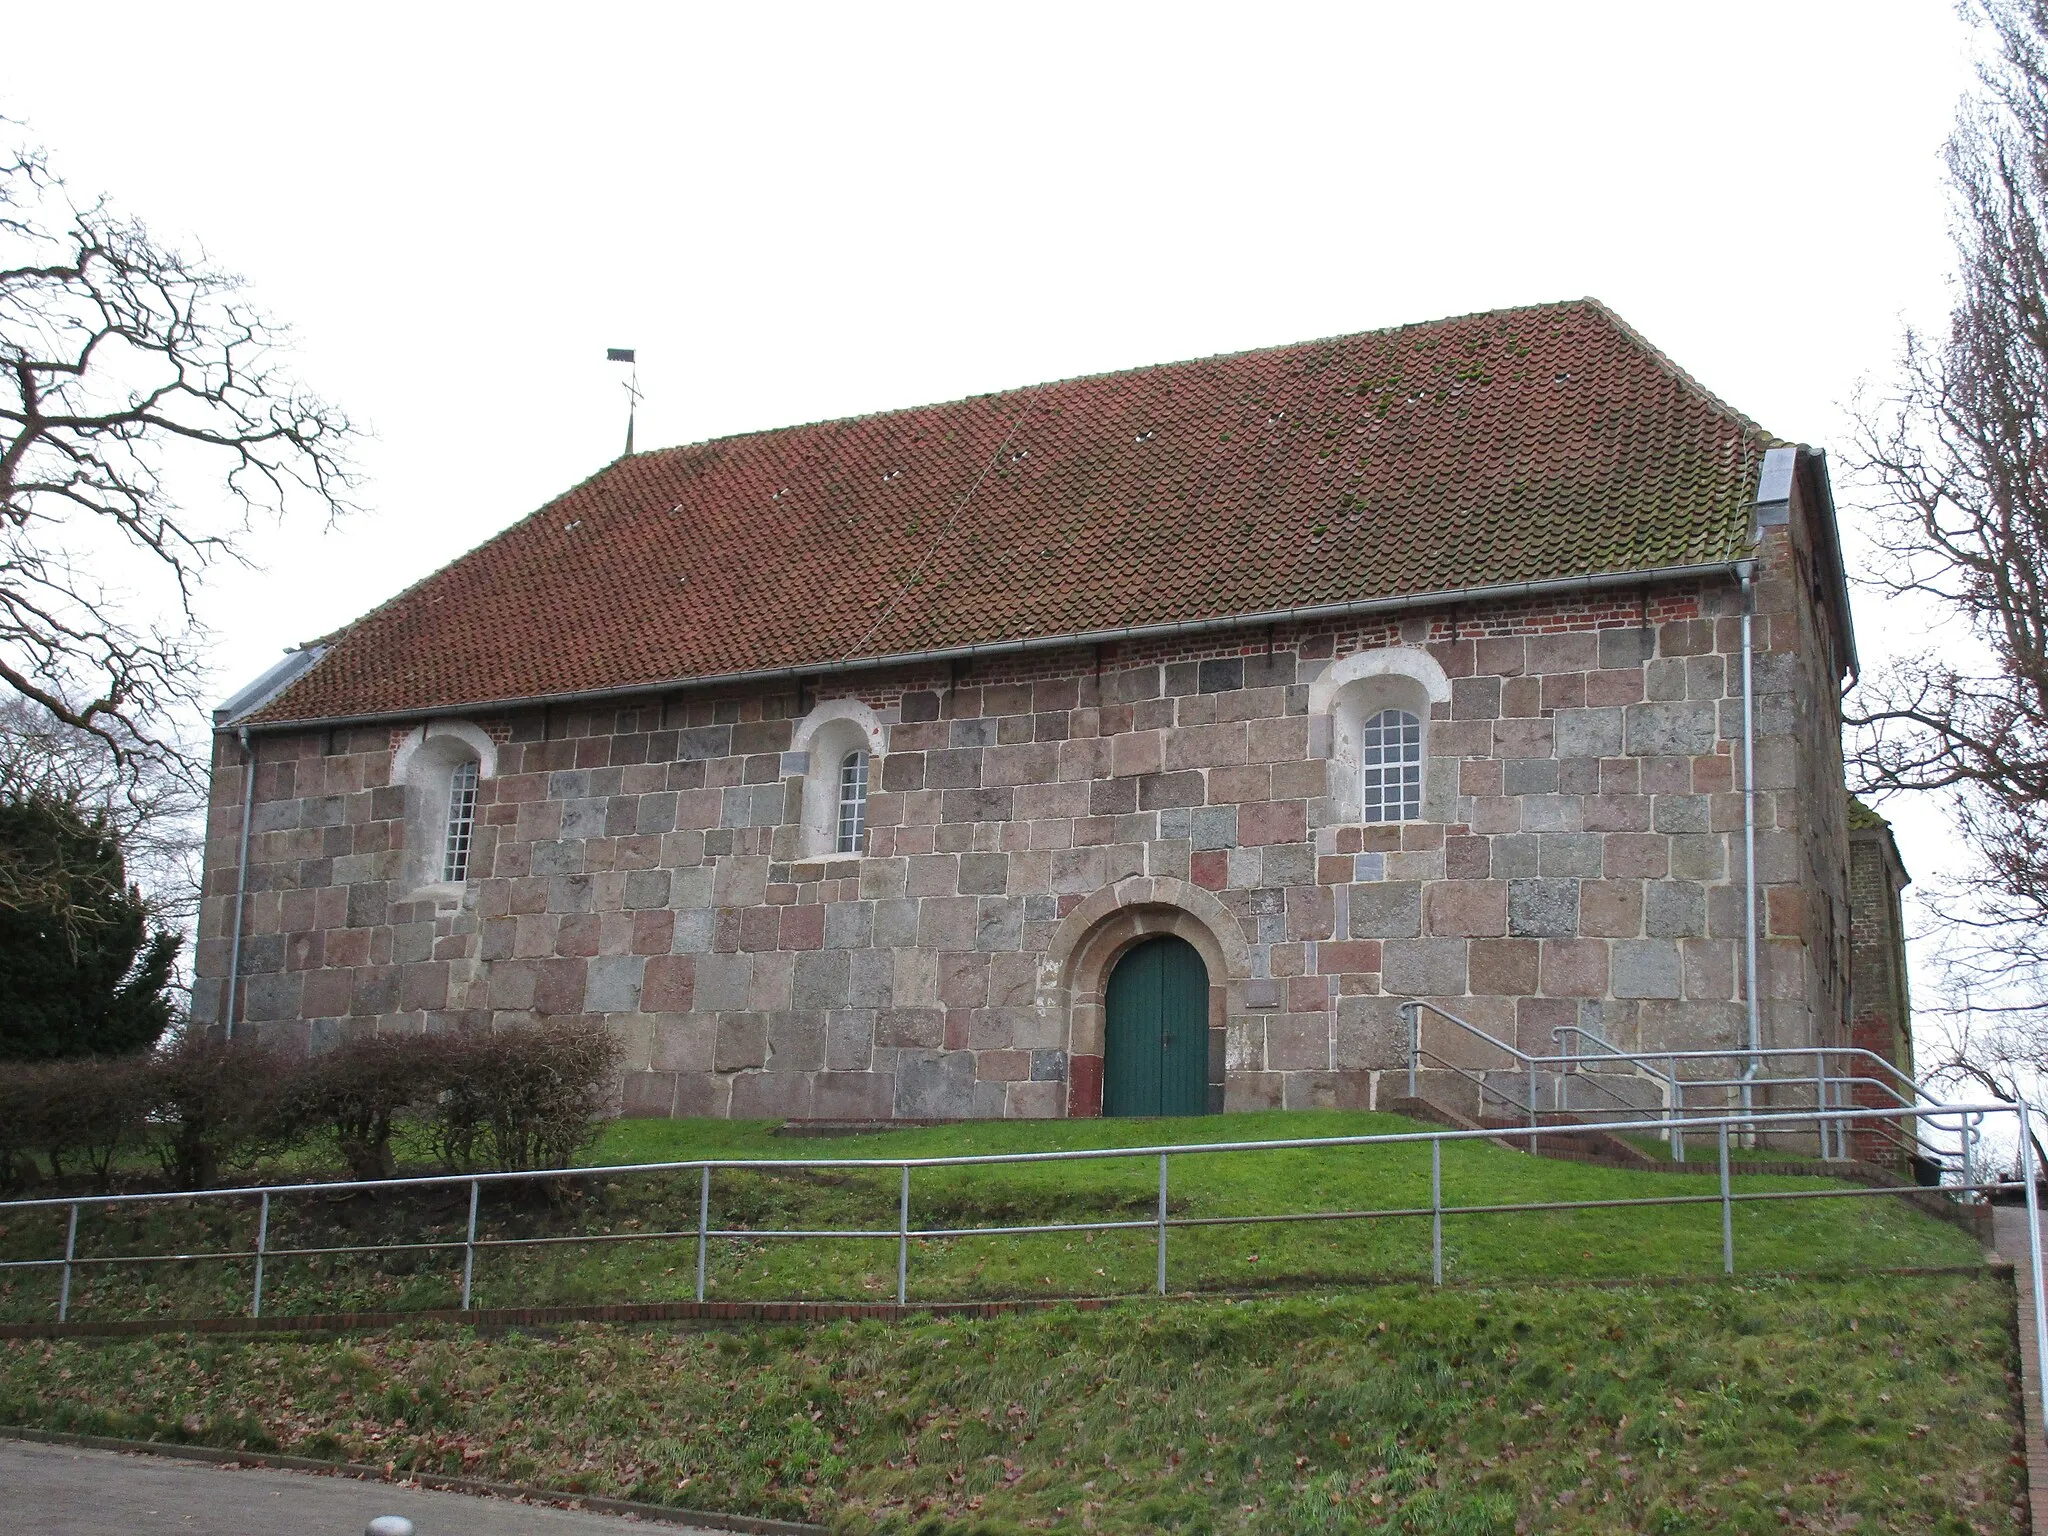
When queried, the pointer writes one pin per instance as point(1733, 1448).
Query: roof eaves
point(278, 677)
point(1592, 582)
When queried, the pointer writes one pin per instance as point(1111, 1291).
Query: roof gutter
point(1555, 586)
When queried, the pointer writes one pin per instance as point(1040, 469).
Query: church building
point(1133, 744)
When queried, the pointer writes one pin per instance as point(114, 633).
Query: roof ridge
point(1144, 368)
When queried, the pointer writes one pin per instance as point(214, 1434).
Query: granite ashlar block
point(1675, 909)
point(937, 1085)
point(1466, 908)
point(1425, 967)
point(819, 981)
point(1647, 968)
point(1543, 908)
point(1386, 909)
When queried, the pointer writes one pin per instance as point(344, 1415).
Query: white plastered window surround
point(426, 764)
point(1353, 691)
point(833, 731)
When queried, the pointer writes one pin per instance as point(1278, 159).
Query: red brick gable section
point(1519, 445)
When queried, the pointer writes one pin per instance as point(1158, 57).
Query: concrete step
point(1579, 1146)
point(1604, 1145)
point(1432, 1113)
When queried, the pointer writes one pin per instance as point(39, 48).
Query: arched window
point(835, 747)
point(1373, 709)
point(461, 822)
point(1390, 767)
point(853, 802)
point(442, 766)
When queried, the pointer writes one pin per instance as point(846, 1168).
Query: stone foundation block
point(771, 1096)
point(853, 1095)
point(936, 1085)
point(648, 1095)
point(742, 1042)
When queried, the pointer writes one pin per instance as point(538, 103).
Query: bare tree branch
point(130, 370)
point(1957, 458)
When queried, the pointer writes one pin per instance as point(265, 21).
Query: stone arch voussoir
point(1091, 938)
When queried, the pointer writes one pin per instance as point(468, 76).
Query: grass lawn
point(1801, 1236)
point(1868, 1403)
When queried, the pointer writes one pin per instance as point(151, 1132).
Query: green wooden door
point(1156, 1037)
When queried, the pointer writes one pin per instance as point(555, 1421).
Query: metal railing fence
point(1418, 1054)
point(1836, 1071)
point(903, 1233)
point(1516, 1086)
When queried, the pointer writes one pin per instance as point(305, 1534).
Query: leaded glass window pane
point(853, 802)
point(461, 823)
point(1390, 767)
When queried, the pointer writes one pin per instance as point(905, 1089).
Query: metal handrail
point(1670, 1090)
point(1639, 1059)
point(1821, 1080)
point(1672, 1087)
point(1416, 1003)
point(1413, 1008)
point(1478, 1078)
point(1739, 1053)
point(1161, 1223)
point(475, 1181)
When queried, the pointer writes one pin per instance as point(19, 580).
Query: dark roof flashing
point(274, 680)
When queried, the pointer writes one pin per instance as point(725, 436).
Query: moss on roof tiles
point(1581, 450)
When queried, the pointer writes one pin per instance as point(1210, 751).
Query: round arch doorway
point(1156, 1031)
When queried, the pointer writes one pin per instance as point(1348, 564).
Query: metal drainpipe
point(241, 883)
point(1749, 924)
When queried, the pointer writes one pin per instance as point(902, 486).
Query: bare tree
point(153, 810)
point(131, 371)
point(1996, 1053)
point(1958, 457)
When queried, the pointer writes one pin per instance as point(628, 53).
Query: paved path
point(58, 1490)
point(2009, 1236)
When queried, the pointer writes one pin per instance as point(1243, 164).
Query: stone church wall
point(1579, 862)
point(1880, 1010)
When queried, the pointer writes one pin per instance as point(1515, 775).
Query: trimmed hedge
point(524, 1098)
point(511, 1100)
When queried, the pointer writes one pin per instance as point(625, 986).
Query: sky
point(802, 212)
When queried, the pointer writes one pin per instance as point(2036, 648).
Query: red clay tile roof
point(1523, 444)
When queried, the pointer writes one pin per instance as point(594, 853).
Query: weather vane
point(625, 355)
